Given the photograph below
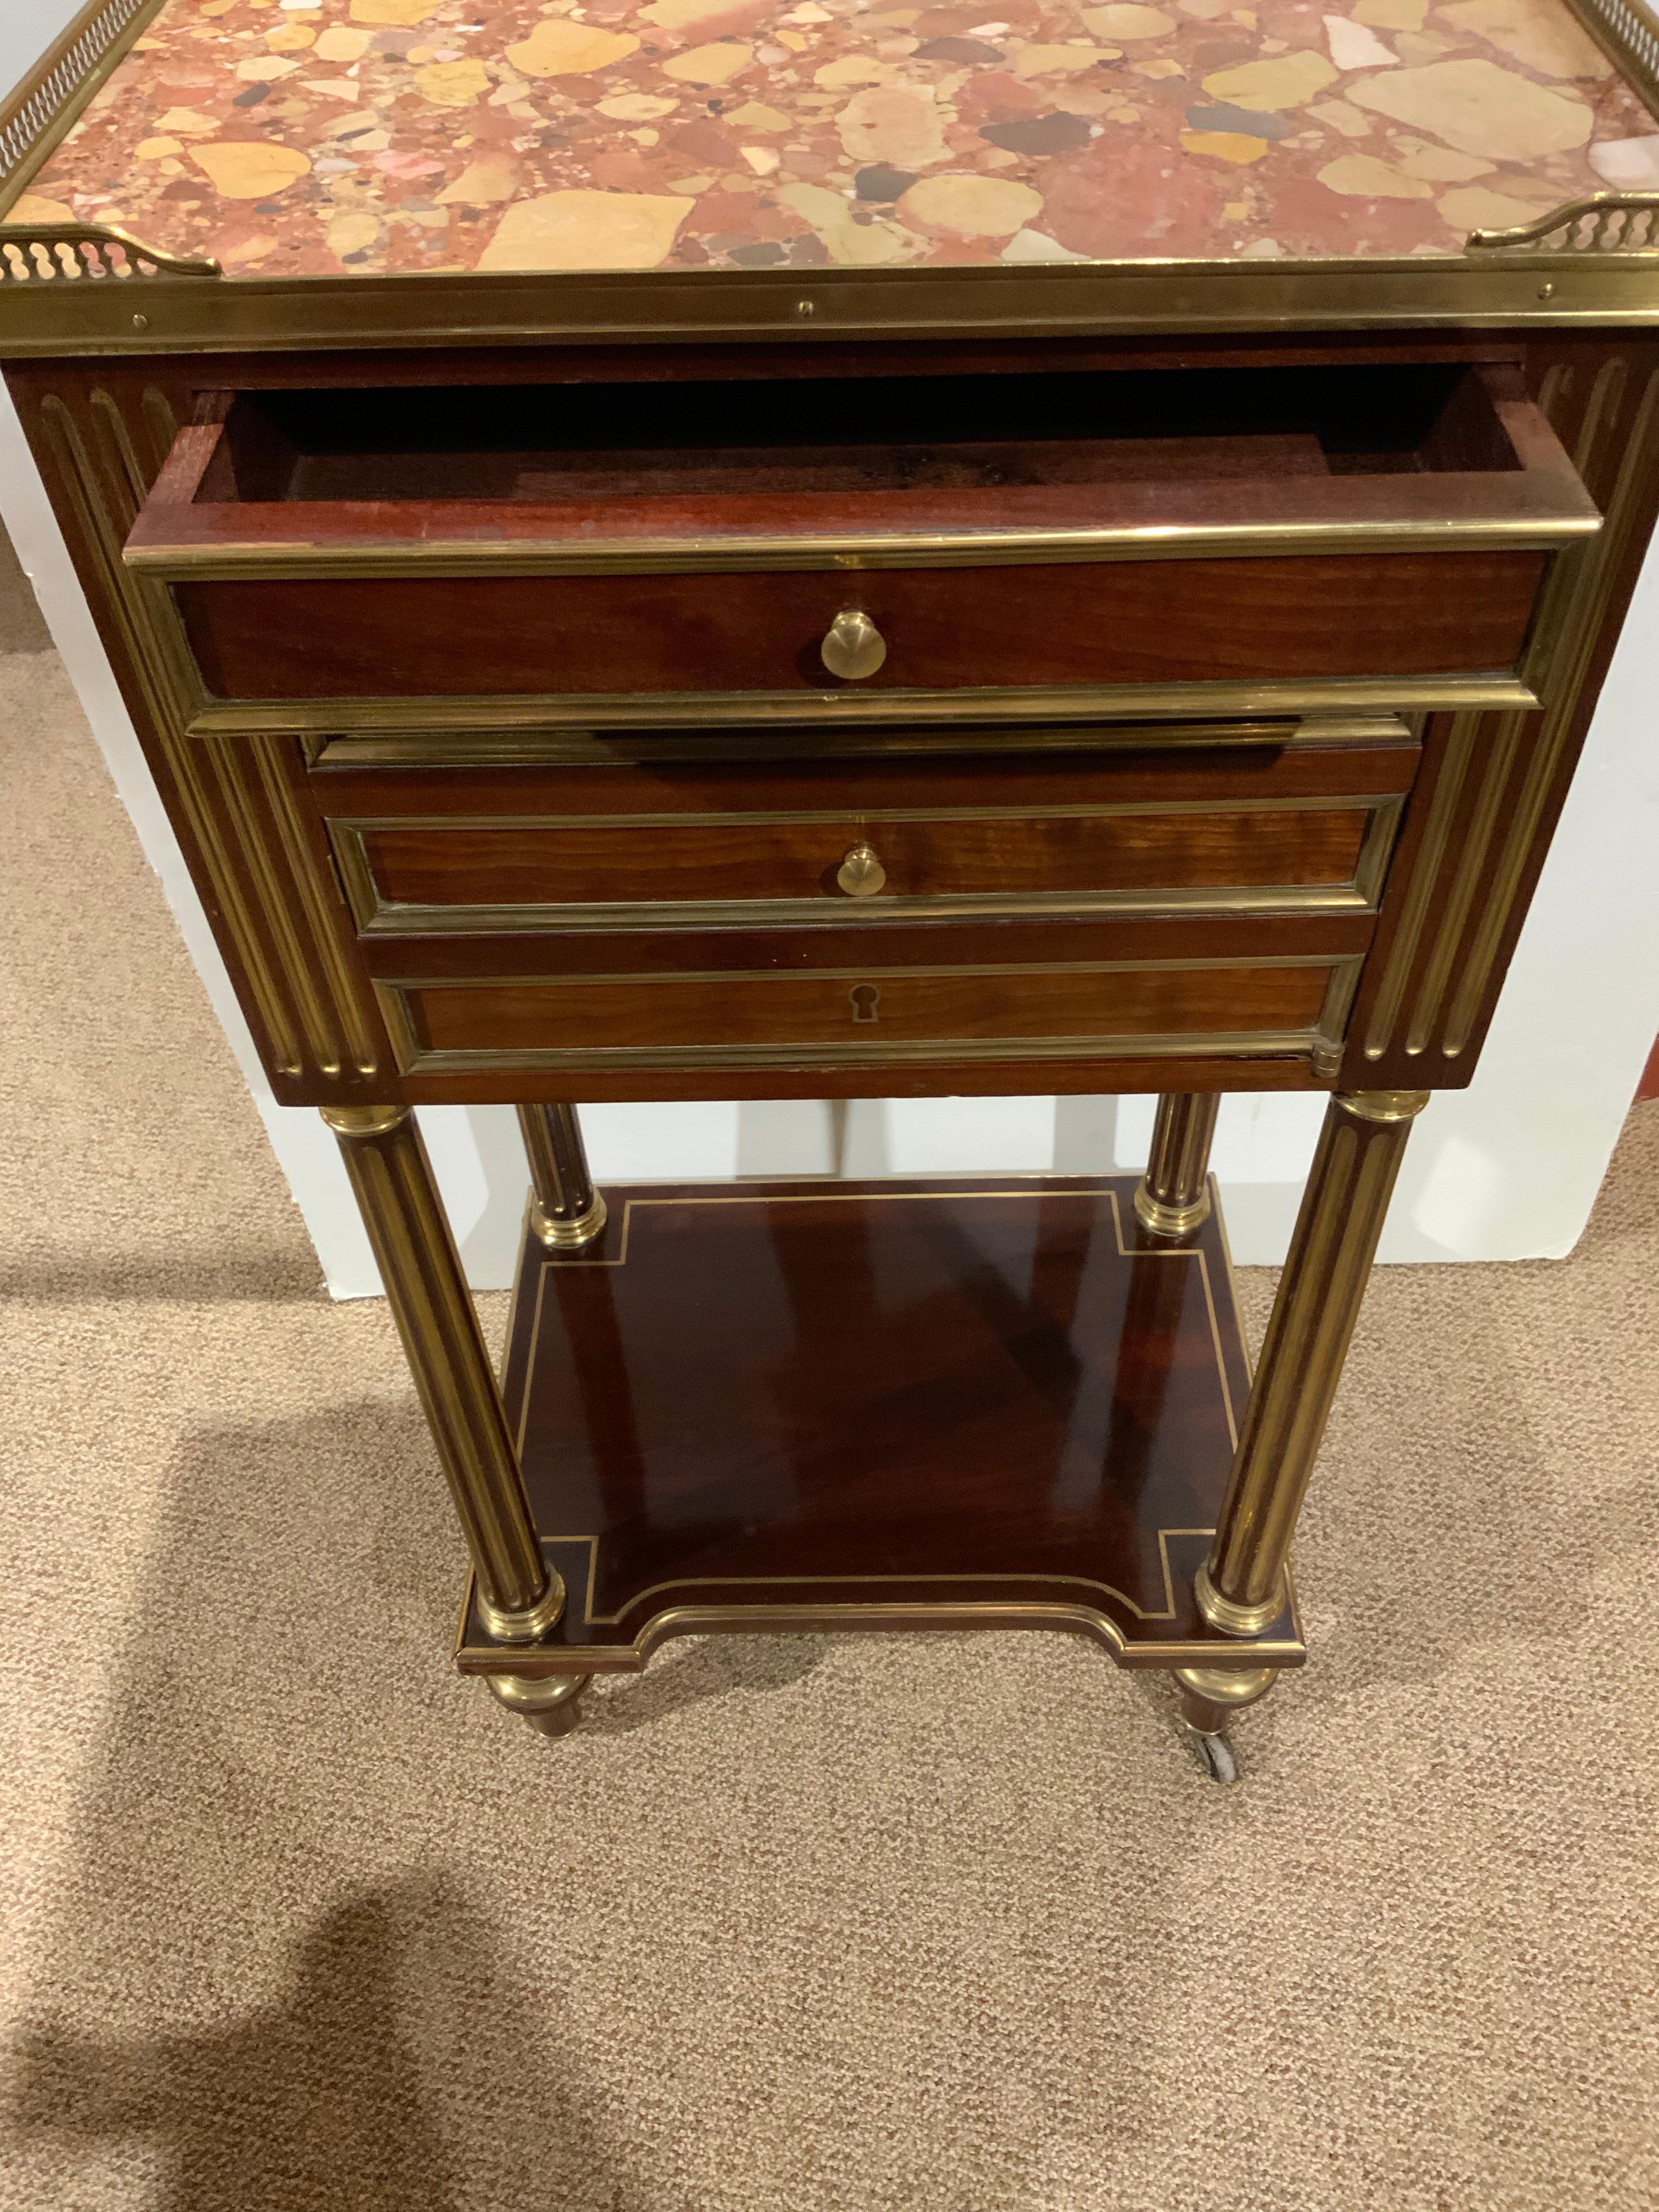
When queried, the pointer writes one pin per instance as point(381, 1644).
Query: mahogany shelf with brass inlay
point(954, 1404)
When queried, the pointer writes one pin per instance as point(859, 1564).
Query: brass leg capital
point(550, 1706)
point(364, 1120)
point(1383, 1105)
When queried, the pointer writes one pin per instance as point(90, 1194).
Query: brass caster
point(1214, 1752)
point(552, 1704)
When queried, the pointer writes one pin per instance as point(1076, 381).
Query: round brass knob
point(860, 875)
point(854, 647)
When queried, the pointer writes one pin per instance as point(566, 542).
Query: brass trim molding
point(1495, 282)
point(415, 1058)
point(513, 748)
point(1483, 289)
point(282, 913)
point(873, 1617)
point(417, 723)
point(853, 552)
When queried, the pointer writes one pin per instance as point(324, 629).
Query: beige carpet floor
point(294, 1920)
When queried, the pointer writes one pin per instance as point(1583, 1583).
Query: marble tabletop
point(318, 137)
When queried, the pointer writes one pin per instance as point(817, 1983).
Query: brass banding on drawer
point(1090, 540)
point(1083, 1010)
point(446, 874)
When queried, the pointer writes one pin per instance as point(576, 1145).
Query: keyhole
point(864, 997)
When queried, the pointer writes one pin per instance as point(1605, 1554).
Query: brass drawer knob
point(860, 875)
point(854, 647)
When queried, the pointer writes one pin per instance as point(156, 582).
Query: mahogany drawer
point(1250, 831)
point(871, 1016)
point(1094, 534)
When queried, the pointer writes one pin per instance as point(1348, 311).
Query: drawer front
point(868, 1017)
point(1101, 625)
point(421, 876)
point(667, 844)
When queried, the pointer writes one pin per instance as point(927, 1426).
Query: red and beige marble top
point(314, 137)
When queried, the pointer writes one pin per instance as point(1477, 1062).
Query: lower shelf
point(949, 1404)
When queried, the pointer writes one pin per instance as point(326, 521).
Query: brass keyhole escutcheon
point(865, 998)
point(861, 875)
point(855, 647)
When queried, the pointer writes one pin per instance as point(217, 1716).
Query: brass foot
point(552, 1705)
point(1210, 1696)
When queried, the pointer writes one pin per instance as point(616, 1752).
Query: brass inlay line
point(1066, 1187)
point(1065, 809)
point(1579, 644)
point(1331, 1030)
point(1425, 874)
point(343, 998)
point(241, 781)
point(161, 423)
point(1252, 1044)
point(1467, 878)
point(1497, 837)
point(190, 764)
point(159, 618)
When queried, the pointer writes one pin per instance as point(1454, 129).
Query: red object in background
point(1649, 1086)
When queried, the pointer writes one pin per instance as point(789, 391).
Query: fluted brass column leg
point(519, 1597)
point(567, 1211)
point(1174, 1194)
point(1241, 1587)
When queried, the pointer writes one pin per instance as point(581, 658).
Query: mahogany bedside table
point(708, 549)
